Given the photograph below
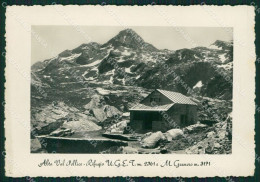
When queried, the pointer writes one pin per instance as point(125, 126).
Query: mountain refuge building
point(163, 110)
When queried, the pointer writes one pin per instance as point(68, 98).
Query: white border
point(19, 160)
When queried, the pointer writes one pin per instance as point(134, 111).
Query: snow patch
point(121, 60)
point(117, 50)
point(92, 64)
point(94, 69)
point(89, 78)
point(102, 91)
point(111, 72)
point(126, 114)
point(111, 79)
point(137, 77)
point(147, 58)
point(126, 53)
point(105, 82)
point(72, 57)
point(83, 75)
point(128, 70)
point(84, 48)
point(123, 81)
point(179, 56)
point(222, 58)
point(227, 66)
point(198, 85)
point(196, 57)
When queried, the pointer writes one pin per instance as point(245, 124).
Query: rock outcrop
point(195, 128)
point(217, 141)
point(61, 132)
point(152, 140)
point(130, 150)
point(174, 134)
point(118, 127)
point(50, 118)
point(58, 115)
point(100, 110)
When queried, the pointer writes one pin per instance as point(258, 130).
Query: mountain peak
point(130, 39)
point(127, 38)
point(128, 31)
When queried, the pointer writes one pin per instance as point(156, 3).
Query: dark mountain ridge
point(127, 60)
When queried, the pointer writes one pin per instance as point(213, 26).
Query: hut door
point(148, 123)
point(183, 119)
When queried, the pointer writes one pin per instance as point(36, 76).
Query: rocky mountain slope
point(94, 83)
point(129, 61)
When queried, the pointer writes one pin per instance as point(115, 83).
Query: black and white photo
point(132, 91)
point(138, 90)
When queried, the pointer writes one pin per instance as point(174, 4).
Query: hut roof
point(142, 107)
point(176, 97)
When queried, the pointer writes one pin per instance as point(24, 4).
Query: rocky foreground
point(86, 92)
point(194, 139)
point(99, 121)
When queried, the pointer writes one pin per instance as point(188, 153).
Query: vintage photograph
point(134, 90)
point(131, 91)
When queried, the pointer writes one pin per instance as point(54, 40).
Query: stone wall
point(157, 126)
point(170, 119)
point(136, 125)
point(180, 109)
point(192, 114)
point(87, 145)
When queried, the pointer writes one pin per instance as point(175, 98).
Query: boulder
point(50, 117)
point(152, 140)
point(94, 103)
point(111, 111)
point(211, 134)
point(62, 132)
point(146, 134)
point(217, 145)
point(118, 127)
point(35, 145)
point(221, 134)
point(195, 128)
point(100, 110)
point(168, 137)
point(129, 150)
point(126, 114)
point(174, 134)
point(113, 130)
point(201, 147)
point(81, 126)
point(99, 114)
point(43, 128)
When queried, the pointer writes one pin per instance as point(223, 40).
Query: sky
point(49, 41)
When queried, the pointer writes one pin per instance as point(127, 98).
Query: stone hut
point(162, 110)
